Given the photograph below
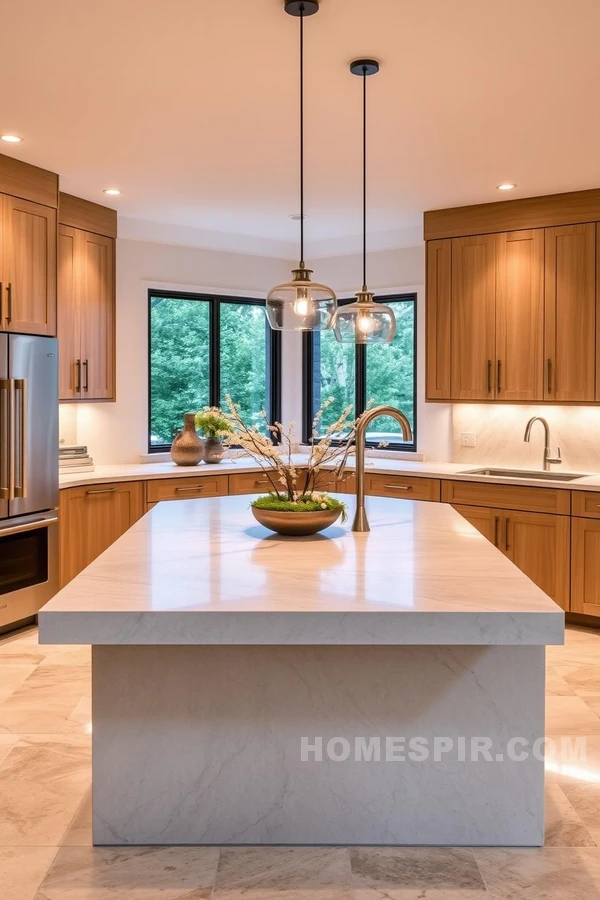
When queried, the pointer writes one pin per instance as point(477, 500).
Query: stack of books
point(73, 458)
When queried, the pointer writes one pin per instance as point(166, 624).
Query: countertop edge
point(320, 628)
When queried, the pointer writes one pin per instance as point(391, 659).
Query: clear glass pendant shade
point(365, 322)
point(301, 304)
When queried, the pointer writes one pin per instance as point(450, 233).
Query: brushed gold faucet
point(548, 458)
point(361, 523)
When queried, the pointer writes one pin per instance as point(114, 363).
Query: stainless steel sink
point(519, 473)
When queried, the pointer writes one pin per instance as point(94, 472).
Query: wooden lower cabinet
point(485, 520)
point(186, 488)
point(403, 487)
point(537, 543)
point(92, 518)
point(585, 566)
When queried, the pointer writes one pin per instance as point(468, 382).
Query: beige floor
point(45, 844)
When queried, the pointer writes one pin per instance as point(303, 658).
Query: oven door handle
point(28, 526)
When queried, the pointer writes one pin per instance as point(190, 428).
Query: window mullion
point(215, 352)
point(361, 379)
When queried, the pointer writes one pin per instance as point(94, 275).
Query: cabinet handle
point(489, 376)
point(549, 376)
point(189, 490)
point(78, 385)
point(498, 371)
point(506, 524)
point(86, 366)
point(103, 491)
point(9, 301)
point(496, 526)
point(398, 487)
point(1, 305)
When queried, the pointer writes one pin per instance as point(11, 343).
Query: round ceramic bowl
point(296, 524)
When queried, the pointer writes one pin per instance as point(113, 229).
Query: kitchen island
point(377, 688)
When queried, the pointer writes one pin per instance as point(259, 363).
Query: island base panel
point(203, 745)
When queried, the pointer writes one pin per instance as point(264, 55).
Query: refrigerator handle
point(20, 488)
point(6, 443)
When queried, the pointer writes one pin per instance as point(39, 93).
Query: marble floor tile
point(44, 702)
point(573, 759)
point(541, 874)
point(42, 785)
point(415, 873)
point(585, 800)
point(583, 680)
point(283, 873)
point(7, 742)
point(556, 684)
point(22, 870)
point(570, 715)
point(124, 873)
point(563, 826)
point(79, 832)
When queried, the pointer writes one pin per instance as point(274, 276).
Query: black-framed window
point(364, 375)
point(202, 347)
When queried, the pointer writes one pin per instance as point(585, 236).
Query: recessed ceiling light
point(296, 217)
point(507, 186)
point(112, 191)
point(11, 138)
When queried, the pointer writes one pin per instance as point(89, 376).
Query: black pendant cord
point(301, 137)
point(364, 178)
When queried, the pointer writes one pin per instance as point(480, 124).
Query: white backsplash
point(67, 423)
point(499, 433)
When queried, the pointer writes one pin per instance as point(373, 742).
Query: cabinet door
point(519, 372)
point(473, 326)
point(92, 518)
point(539, 545)
point(570, 287)
point(585, 566)
point(97, 300)
point(486, 520)
point(29, 267)
point(68, 316)
point(437, 314)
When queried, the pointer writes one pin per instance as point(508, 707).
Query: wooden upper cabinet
point(438, 310)
point(473, 311)
point(69, 322)
point(519, 315)
point(570, 306)
point(28, 269)
point(97, 302)
point(86, 302)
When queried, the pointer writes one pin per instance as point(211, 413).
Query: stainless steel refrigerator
point(28, 475)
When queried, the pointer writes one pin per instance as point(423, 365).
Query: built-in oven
point(28, 566)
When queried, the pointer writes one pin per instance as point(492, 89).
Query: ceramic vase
point(213, 450)
point(187, 449)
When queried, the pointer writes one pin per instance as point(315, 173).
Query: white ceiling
point(190, 107)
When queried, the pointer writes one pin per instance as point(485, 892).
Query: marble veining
point(203, 572)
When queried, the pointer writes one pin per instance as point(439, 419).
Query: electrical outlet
point(468, 439)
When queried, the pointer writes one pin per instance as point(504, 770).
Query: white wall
point(117, 432)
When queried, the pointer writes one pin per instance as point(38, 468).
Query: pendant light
point(301, 304)
point(365, 322)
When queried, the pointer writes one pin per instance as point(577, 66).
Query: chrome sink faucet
point(361, 522)
point(548, 458)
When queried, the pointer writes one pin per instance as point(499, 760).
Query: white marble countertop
point(385, 466)
point(205, 572)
